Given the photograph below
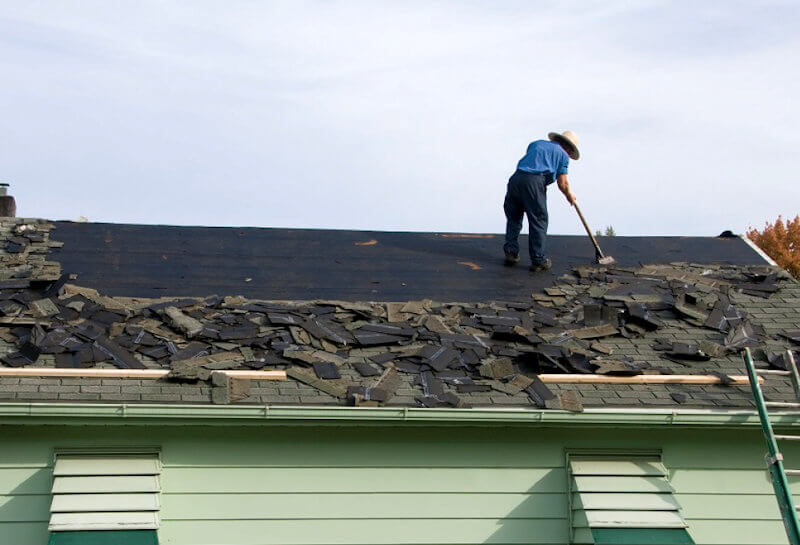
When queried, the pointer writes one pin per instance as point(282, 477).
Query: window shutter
point(105, 492)
point(613, 497)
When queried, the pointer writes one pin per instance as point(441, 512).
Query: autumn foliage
point(780, 241)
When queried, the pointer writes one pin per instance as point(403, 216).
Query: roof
point(307, 264)
point(394, 319)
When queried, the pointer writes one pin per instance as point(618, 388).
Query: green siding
point(370, 485)
point(24, 502)
point(193, 480)
point(381, 505)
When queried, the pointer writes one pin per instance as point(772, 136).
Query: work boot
point(541, 267)
point(511, 259)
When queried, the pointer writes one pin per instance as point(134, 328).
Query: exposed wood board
point(46, 372)
point(255, 375)
point(643, 379)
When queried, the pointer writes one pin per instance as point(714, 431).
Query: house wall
point(253, 485)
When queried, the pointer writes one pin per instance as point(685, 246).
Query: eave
point(251, 415)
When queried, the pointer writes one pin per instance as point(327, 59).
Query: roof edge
point(250, 415)
point(757, 249)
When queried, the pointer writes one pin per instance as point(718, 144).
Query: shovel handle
point(588, 231)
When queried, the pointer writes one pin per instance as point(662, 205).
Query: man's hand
point(570, 197)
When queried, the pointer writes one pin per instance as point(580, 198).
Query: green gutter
point(146, 414)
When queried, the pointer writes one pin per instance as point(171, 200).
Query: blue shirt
point(546, 157)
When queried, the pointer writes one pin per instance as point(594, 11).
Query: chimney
point(8, 206)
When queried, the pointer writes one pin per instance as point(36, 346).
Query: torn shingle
point(366, 370)
point(741, 336)
point(688, 307)
point(498, 369)
point(793, 336)
point(370, 338)
point(336, 388)
point(678, 397)
point(389, 381)
point(595, 332)
point(200, 367)
point(431, 386)
point(439, 357)
point(191, 327)
point(539, 393)
point(326, 370)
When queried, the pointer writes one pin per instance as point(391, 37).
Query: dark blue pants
point(526, 194)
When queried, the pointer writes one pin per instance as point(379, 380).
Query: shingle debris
point(364, 353)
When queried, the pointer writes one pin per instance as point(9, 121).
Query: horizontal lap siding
point(716, 514)
point(305, 505)
point(24, 504)
point(730, 506)
point(349, 531)
point(368, 485)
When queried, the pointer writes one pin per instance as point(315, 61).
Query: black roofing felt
point(154, 261)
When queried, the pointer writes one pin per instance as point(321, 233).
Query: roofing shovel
point(601, 258)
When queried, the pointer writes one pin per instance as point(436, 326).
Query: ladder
point(774, 457)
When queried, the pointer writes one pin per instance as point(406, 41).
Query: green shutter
point(623, 500)
point(119, 537)
point(641, 536)
point(105, 492)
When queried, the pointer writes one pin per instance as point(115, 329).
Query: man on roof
point(545, 162)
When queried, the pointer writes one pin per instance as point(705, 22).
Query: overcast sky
point(399, 115)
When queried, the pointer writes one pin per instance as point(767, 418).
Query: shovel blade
point(606, 260)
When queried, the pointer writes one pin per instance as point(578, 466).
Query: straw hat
point(569, 139)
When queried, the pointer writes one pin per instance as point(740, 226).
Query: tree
point(781, 241)
point(609, 232)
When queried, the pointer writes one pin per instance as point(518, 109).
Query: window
point(101, 499)
point(623, 500)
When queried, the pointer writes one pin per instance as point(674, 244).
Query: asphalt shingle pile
point(444, 354)
point(24, 245)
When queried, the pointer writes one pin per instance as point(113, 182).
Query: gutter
point(253, 415)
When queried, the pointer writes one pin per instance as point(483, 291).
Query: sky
point(404, 115)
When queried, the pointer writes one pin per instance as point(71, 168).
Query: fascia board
point(757, 249)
